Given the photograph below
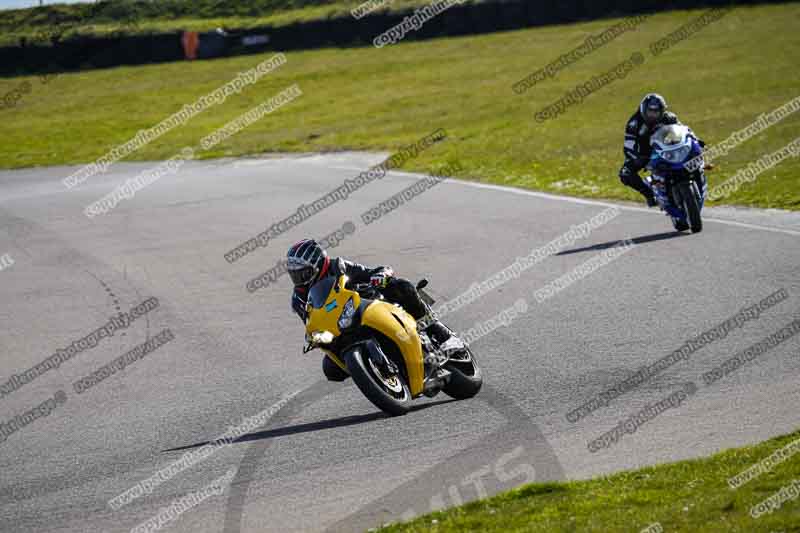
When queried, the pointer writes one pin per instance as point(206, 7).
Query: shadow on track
point(636, 240)
point(312, 426)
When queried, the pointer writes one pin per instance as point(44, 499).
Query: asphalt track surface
point(326, 460)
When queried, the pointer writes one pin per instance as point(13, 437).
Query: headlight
point(676, 156)
point(322, 337)
point(346, 319)
point(669, 156)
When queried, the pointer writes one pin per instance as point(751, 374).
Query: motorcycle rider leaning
point(308, 263)
point(651, 115)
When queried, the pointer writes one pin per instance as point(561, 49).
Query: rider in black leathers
point(651, 115)
point(308, 262)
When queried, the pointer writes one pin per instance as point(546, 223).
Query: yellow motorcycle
point(378, 344)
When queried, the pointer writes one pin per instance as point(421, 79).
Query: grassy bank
point(690, 496)
point(718, 81)
point(132, 18)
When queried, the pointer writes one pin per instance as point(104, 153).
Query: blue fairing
point(657, 161)
point(661, 167)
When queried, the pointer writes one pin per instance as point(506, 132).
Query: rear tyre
point(388, 392)
point(465, 376)
point(689, 196)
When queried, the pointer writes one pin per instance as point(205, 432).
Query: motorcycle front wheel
point(689, 195)
point(679, 224)
point(387, 391)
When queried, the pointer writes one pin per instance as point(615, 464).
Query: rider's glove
point(378, 281)
point(381, 279)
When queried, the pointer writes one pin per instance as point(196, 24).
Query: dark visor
point(302, 276)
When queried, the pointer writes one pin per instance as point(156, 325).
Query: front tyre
point(679, 224)
point(689, 196)
point(465, 376)
point(332, 371)
point(388, 392)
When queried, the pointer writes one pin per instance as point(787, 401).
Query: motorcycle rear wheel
point(466, 379)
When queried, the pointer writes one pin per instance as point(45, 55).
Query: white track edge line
point(573, 200)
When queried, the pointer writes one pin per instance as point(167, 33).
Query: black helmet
point(305, 260)
point(652, 108)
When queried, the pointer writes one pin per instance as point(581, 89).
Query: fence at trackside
point(465, 18)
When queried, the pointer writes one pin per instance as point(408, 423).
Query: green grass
point(689, 496)
point(718, 81)
point(135, 18)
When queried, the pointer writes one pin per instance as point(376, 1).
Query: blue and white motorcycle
point(677, 178)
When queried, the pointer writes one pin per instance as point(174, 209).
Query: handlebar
point(364, 288)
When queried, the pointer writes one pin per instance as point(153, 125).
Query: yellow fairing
point(384, 317)
point(380, 316)
point(335, 358)
point(324, 320)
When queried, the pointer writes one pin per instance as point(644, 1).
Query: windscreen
point(668, 136)
point(320, 291)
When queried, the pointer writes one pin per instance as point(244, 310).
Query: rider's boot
point(441, 335)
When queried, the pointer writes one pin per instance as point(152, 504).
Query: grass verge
point(718, 81)
point(73, 20)
point(689, 496)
